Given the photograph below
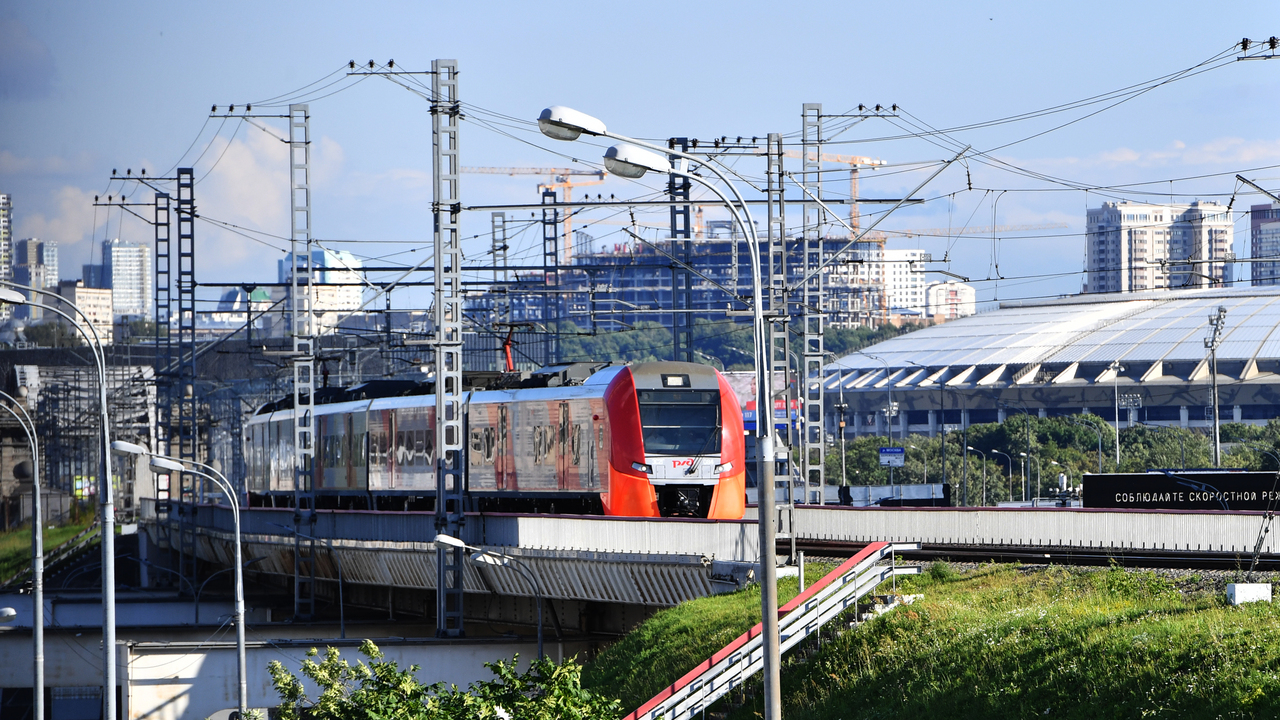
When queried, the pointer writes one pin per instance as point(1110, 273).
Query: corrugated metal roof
point(1168, 325)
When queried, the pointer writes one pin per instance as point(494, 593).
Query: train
point(653, 439)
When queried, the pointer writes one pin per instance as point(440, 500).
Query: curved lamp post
point(106, 496)
point(37, 552)
point(1096, 431)
point(632, 159)
point(491, 557)
point(164, 462)
point(1009, 463)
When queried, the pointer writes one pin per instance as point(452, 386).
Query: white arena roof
point(1148, 330)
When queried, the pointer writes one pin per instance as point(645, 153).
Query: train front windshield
point(680, 422)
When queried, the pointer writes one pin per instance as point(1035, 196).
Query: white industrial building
point(1055, 358)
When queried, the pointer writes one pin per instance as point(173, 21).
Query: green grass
point(998, 642)
point(15, 545)
point(1001, 643)
point(669, 644)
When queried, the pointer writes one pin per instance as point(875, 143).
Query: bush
point(382, 691)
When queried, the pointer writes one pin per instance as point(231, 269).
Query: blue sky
point(90, 87)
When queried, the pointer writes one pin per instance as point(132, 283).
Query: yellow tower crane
point(560, 178)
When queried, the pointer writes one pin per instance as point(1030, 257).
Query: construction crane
point(560, 178)
point(854, 162)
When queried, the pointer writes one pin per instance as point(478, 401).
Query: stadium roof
point(1157, 334)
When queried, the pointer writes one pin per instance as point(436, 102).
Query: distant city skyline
point(1193, 118)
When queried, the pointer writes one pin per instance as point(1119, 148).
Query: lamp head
point(127, 448)
point(449, 540)
point(561, 123)
point(12, 297)
point(633, 162)
point(489, 559)
point(1022, 454)
point(161, 463)
point(7, 614)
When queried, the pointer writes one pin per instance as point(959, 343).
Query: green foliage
point(1071, 442)
point(53, 334)
point(380, 690)
point(15, 545)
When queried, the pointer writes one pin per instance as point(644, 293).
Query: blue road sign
point(893, 456)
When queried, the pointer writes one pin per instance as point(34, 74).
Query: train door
point(500, 468)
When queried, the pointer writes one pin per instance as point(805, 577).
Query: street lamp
point(492, 557)
point(1097, 432)
point(1026, 490)
point(840, 424)
point(37, 550)
point(1009, 464)
point(1116, 368)
point(984, 470)
point(924, 461)
point(630, 160)
point(164, 462)
point(106, 496)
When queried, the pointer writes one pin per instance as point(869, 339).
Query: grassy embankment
point(1000, 642)
point(15, 545)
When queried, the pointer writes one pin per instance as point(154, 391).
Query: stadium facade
point(1069, 356)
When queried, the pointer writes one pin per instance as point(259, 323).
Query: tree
point(54, 334)
point(380, 690)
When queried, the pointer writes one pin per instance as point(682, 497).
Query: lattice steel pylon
point(813, 455)
point(776, 277)
point(682, 249)
point(302, 327)
point(184, 372)
point(165, 390)
point(551, 277)
point(450, 461)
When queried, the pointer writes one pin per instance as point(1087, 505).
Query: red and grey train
point(662, 439)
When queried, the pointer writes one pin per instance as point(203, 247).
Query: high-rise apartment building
point(126, 272)
point(904, 281)
point(35, 263)
point(951, 300)
point(1264, 244)
point(6, 246)
point(1141, 246)
point(95, 303)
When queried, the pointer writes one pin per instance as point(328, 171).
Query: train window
point(477, 446)
point(489, 445)
point(683, 428)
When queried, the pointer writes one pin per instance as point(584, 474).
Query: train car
point(658, 439)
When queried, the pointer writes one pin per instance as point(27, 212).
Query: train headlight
point(647, 469)
point(726, 467)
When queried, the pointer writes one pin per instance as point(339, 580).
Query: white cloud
point(11, 164)
point(71, 225)
point(249, 188)
point(1231, 152)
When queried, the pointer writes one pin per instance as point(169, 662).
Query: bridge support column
point(1184, 416)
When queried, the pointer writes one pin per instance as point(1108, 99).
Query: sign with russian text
point(892, 456)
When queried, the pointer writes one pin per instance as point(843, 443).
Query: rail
point(802, 617)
